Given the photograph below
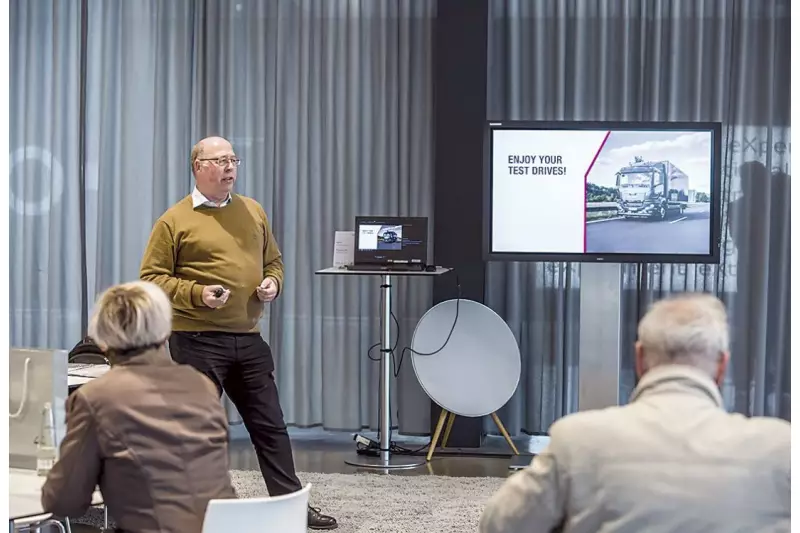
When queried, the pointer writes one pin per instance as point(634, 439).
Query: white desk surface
point(82, 373)
point(333, 271)
point(25, 494)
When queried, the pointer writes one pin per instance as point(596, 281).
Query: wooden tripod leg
point(448, 428)
point(502, 429)
point(437, 433)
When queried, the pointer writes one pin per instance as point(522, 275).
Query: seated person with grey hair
point(151, 433)
point(672, 460)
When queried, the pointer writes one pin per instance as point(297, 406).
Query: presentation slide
point(368, 236)
point(380, 237)
point(601, 192)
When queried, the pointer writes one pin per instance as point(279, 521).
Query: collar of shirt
point(199, 199)
point(680, 378)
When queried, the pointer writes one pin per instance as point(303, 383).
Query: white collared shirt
point(199, 199)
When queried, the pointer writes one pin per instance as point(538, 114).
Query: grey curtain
point(44, 187)
point(680, 60)
point(329, 104)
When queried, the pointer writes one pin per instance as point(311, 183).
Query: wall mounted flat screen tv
point(616, 192)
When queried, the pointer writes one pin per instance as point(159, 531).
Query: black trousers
point(241, 364)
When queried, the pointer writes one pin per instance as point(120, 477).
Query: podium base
point(393, 462)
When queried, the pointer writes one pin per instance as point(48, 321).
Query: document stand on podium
point(385, 459)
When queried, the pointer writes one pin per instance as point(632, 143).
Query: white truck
point(652, 189)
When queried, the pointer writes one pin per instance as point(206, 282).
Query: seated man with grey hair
point(672, 460)
point(151, 433)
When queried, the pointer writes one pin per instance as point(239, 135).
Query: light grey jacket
point(670, 461)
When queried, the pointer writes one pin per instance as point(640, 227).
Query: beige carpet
point(376, 503)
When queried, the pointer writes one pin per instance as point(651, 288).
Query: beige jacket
point(154, 436)
point(671, 461)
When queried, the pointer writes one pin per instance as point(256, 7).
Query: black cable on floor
point(399, 450)
point(393, 448)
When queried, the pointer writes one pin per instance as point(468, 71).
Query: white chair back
point(287, 514)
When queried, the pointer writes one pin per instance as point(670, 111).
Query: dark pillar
point(460, 114)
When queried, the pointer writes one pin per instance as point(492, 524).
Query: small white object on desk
point(344, 248)
point(82, 373)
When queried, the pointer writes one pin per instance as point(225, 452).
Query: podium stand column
point(385, 460)
point(385, 422)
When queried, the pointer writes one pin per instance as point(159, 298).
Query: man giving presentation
point(215, 256)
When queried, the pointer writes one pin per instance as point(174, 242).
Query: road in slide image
point(680, 234)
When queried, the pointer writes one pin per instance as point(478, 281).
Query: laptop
point(391, 243)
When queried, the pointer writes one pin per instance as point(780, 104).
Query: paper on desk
point(343, 248)
point(87, 371)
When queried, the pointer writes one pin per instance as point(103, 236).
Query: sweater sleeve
point(158, 266)
point(273, 259)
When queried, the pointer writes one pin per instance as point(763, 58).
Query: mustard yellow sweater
point(232, 246)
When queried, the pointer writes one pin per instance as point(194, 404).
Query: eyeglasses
point(223, 161)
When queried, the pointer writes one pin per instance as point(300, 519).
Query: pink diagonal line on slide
point(596, 154)
point(586, 186)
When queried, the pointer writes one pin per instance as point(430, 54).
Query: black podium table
point(385, 460)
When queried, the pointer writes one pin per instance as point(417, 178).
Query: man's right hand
point(210, 297)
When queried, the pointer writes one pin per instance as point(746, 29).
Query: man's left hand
point(268, 289)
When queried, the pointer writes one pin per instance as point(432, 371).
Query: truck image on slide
point(652, 189)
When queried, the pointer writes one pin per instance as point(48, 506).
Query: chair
point(37, 523)
point(475, 373)
point(87, 351)
point(287, 513)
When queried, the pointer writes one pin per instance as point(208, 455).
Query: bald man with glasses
point(215, 256)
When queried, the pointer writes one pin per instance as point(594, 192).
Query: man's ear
point(638, 359)
point(722, 367)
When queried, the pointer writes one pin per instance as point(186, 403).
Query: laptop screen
point(391, 240)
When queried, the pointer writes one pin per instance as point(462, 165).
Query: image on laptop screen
point(387, 240)
point(380, 237)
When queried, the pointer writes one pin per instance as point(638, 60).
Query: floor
point(317, 450)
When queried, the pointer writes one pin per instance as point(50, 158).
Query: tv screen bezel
point(713, 257)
